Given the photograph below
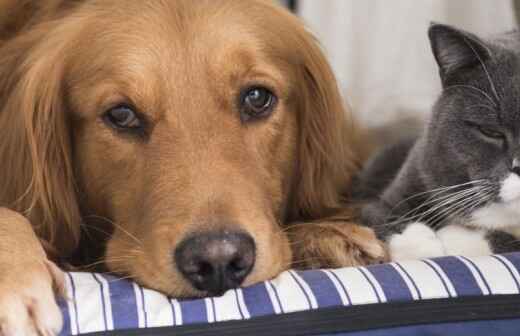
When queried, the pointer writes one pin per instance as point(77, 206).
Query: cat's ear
point(455, 49)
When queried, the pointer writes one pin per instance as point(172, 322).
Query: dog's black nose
point(216, 262)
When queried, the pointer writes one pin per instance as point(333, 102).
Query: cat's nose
point(515, 167)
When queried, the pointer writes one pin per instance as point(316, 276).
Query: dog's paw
point(334, 245)
point(27, 299)
point(415, 242)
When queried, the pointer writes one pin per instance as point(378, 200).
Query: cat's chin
point(510, 189)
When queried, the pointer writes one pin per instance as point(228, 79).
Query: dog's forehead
point(153, 55)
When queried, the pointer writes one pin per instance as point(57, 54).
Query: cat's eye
point(256, 103)
point(491, 133)
point(123, 117)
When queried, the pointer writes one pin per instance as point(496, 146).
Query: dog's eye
point(123, 117)
point(257, 102)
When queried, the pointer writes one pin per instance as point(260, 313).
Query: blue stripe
point(103, 304)
point(194, 311)
point(65, 330)
point(514, 258)
point(479, 273)
point(410, 279)
point(257, 300)
point(74, 301)
point(391, 282)
point(349, 300)
point(460, 276)
point(238, 305)
point(301, 288)
point(427, 262)
point(143, 303)
point(124, 306)
point(323, 288)
point(510, 272)
point(371, 284)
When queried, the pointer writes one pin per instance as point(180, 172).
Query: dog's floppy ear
point(35, 145)
point(328, 139)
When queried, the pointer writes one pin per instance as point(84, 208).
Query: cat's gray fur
point(479, 104)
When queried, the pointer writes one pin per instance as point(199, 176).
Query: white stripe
point(496, 274)
point(158, 308)
point(376, 283)
point(242, 304)
point(357, 286)
point(209, 310)
point(272, 297)
point(72, 311)
point(307, 289)
point(428, 283)
point(443, 275)
point(177, 311)
point(511, 267)
point(89, 305)
point(108, 302)
point(409, 284)
point(292, 297)
point(476, 276)
point(226, 307)
point(139, 306)
point(339, 289)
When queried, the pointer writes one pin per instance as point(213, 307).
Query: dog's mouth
point(202, 263)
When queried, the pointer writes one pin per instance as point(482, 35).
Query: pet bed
point(441, 296)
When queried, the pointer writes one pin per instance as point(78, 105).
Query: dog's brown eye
point(123, 117)
point(257, 102)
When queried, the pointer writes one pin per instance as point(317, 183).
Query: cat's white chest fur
point(420, 241)
point(504, 215)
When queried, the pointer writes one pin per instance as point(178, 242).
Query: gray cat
point(455, 189)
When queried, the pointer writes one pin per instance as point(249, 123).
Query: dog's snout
point(216, 262)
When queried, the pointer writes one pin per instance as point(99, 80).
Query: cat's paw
point(460, 240)
point(417, 241)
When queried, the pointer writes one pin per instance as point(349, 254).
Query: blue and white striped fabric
point(99, 303)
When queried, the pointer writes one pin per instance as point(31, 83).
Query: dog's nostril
point(237, 264)
point(216, 262)
point(205, 269)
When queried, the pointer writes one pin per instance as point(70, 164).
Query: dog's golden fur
point(284, 180)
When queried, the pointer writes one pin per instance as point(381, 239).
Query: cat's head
point(474, 134)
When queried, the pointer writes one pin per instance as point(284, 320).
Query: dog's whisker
point(120, 227)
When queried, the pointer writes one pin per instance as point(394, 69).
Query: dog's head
point(196, 128)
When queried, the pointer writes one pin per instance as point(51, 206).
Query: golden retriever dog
point(194, 146)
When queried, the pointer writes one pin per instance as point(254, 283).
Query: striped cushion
point(98, 302)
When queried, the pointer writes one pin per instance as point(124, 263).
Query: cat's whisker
point(457, 209)
point(439, 194)
point(437, 191)
point(444, 200)
point(449, 204)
